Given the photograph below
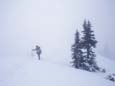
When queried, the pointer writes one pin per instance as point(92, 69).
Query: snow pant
point(38, 56)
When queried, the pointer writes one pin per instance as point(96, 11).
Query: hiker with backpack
point(38, 51)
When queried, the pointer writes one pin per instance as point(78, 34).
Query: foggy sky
point(52, 25)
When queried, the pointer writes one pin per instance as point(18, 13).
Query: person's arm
point(33, 49)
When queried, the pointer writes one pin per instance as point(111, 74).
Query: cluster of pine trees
point(82, 50)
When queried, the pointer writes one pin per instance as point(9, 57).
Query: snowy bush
point(111, 77)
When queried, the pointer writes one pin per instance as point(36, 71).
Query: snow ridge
point(31, 72)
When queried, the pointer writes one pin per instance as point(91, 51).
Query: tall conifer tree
point(88, 43)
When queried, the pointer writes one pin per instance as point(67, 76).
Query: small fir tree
point(77, 52)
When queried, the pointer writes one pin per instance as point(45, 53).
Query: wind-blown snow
point(31, 72)
point(52, 24)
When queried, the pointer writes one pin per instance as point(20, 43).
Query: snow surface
point(31, 72)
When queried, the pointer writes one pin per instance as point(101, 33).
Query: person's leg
point(39, 57)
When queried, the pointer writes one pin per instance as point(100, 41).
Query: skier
point(38, 51)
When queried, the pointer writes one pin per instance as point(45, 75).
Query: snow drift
point(31, 72)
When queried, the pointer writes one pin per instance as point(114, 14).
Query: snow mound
point(31, 72)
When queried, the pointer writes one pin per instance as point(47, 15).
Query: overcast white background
point(52, 25)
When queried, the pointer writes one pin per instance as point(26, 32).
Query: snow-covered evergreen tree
point(77, 52)
point(88, 43)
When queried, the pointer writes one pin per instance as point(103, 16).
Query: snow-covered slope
point(31, 72)
point(106, 63)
